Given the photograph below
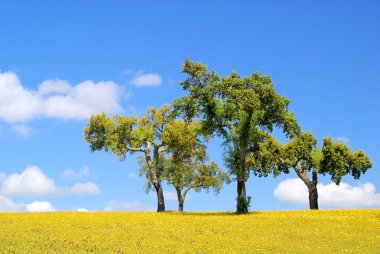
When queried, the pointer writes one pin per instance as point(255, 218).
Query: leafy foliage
point(194, 173)
point(124, 135)
point(241, 110)
point(338, 161)
point(334, 159)
point(186, 165)
point(300, 150)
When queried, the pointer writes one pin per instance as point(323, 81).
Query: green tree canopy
point(123, 135)
point(238, 109)
point(335, 159)
point(186, 165)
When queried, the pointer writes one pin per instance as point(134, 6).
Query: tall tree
point(238, 109)
point(335, 159)
point(123, 135)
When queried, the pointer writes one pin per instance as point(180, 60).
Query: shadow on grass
point(211, 213)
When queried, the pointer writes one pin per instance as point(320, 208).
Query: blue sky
point(60, 62)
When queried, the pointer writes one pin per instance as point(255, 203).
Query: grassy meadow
point(326, 231)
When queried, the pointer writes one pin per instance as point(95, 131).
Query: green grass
point(328, 231)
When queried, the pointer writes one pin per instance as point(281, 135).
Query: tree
point(335, 159)
point(195, 174)
point(188, 169)
point(123, 135)
point(186, 165)
point(241, 110)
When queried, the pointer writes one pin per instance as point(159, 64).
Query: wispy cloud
point(170, 195)
point(115, 205)
point(344, 140)
point(148, 79)
point(84, 172)
point(141, 78)
point(22, 130)
point(82, 189)
point(132, 175)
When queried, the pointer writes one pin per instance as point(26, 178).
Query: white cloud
point(148, 79)
point(84, 100)
point(2, 176)
point(38, 206)
point(32, 183)
point(22, 130)
point(83, 189)
point(292, 190)
point(329, 195)
point(16, 102)
point(8, 205)
point(54, 86)
point(72, 174)
point(29, 183)
point(345, 195)
point(82, 210)
point(114, 205)
point(56, 99)
point(170, 195)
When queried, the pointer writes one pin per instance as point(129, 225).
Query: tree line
point(243, 111)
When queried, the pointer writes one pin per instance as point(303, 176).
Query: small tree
point(186, 165)
point(193, 173)
point(335, 159)
point(123, 135)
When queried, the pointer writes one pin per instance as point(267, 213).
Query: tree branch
point(187, 189)
point(134, 149)
point(302, 173)
point(230, 126)
point(157, 144)
point(164, 150)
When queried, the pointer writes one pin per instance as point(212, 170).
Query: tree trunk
point(242, 202)
point(160, 197)
point(302, 172)
point(313, 196)
point(181, 200)
point(180, 206)
point(241, 189)
point(313, 192)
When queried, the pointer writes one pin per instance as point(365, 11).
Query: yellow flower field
point(329, 231)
